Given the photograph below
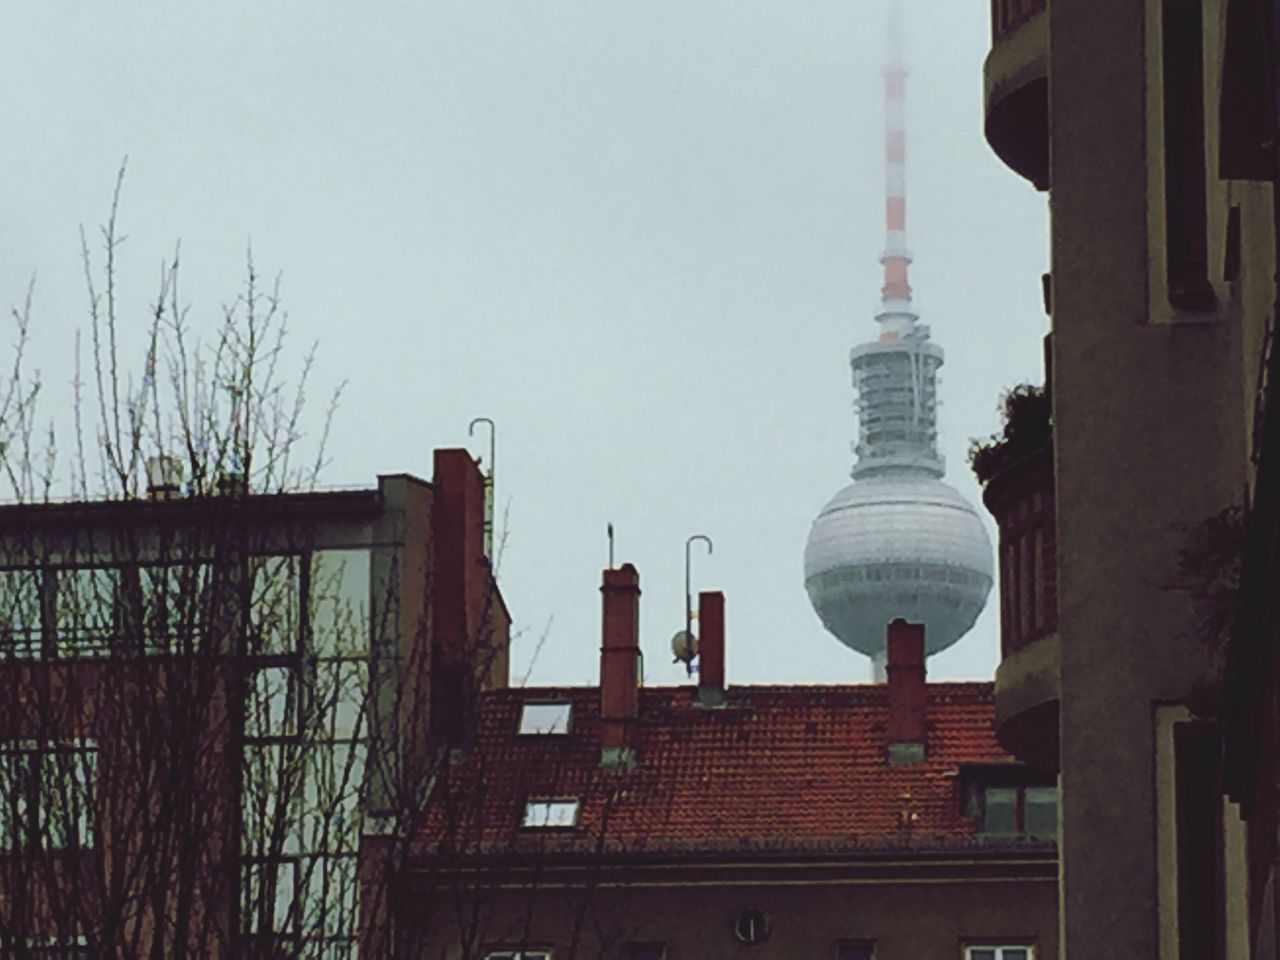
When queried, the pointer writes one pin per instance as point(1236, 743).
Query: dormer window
point(1031, 811)
point(1010, 799)
point(543, 719)
point(550, 814)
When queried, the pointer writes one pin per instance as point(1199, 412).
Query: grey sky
point(641, 236)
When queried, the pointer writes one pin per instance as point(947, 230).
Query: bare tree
point(184, 667)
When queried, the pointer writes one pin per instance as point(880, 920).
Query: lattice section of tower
point(897, 399)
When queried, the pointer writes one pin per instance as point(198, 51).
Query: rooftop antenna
point(609, 532)
point(488, 481)
point(684, 644)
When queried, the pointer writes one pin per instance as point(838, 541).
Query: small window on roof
point(548, 814)
point(545, 718)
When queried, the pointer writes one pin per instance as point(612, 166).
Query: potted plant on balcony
point(1027, 416)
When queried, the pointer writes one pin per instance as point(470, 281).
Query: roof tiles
point(776, 767)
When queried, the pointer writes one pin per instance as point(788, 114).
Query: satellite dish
point(685, 647)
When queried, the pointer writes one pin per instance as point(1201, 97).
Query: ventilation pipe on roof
point(908, 695)
point(164, 477)
point(711, 649)
point(619, 664)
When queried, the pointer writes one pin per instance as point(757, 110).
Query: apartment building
point(1150, 126)
point(847, 822)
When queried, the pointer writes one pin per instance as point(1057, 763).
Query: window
point(339, 605)
point(272, 707)
point(87, 610)
point(270, 799)
point(331, 797)
point(1000, 810)
point(545, 718)
point(1040, 811)
point(275, 600)
point(337, 695)
point(855, 950)
point(47, 794)
point(1197, 753)
point(985, 952)
point(175, 605)
point(1031, 811)
point(1186, 239)
point(330, 884)
point(547, 814)
point(20, 613)
point(269, 894)
point(646, 951)
point(518, 955)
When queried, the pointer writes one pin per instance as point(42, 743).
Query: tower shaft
point(896, 376)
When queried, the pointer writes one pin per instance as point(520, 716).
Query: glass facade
point(305, 749)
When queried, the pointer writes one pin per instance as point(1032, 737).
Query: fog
point(641, 237)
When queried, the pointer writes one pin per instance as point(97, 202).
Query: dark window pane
point(854, 951)
point(999, 814)
point(646, 951)
point(1041, 818)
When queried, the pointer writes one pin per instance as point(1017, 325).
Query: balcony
point(1016, 87)
point(1021, 498)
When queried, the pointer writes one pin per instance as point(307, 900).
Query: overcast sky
point(642, 237)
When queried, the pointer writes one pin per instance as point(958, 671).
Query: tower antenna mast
point(896, 315)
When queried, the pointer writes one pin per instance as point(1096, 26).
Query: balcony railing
point(1008, 15)
point(1022, 500)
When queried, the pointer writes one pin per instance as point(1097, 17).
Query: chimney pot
point(908, 695)
point(711, 649)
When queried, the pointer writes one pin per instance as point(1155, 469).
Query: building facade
point(1150, 126)
point(206, 697)
point(842, 821)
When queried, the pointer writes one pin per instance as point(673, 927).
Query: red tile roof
point(775, 768)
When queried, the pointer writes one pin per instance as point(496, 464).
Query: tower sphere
point(897, 546)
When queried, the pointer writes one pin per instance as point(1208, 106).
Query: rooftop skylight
point(549, 814)
point(545, 718)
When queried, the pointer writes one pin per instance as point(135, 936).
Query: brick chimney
point(468, 635)
point(711, 649)
point(619, 664)
point(908, 696)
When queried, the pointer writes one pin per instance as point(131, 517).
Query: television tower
point(898, 541)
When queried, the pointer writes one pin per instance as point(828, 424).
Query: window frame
point(75, 641)
point(16, 825)
point(549, 803)
point(26, 641)
point(564, 710)
point(978, 807)
point(999, 948)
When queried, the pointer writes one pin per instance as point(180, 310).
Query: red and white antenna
point(897, 316)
